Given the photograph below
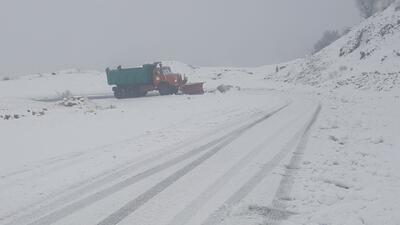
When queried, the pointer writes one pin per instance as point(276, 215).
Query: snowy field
point(252, 155)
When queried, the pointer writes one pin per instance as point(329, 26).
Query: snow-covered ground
point(78, 164)
point(350, 173)
point(312, 141)
point(56, 152)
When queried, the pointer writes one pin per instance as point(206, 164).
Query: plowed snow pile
point(368, 57)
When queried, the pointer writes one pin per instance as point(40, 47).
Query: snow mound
point(366, 58)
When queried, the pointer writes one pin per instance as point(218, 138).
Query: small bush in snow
point(225, 88)
point(65, 94)
point(6, 78)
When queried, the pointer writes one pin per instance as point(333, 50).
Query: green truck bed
point(131, 76)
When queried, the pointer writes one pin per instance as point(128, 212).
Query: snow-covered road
point(224, 158)
point(240, 157)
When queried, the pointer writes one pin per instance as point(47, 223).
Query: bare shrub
point(64, 94)
point(370, 7)
point(327, 38)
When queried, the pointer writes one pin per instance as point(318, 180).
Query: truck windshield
point(166, 70)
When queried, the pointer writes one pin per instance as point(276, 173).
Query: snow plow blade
point(193, 89)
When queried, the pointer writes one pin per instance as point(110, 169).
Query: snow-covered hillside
point(368, 57)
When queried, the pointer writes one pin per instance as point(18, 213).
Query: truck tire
point(119, 92)
point(122, 92)
point(133, 92)
point(143, 93)
point(174, 90)
point(164, 89)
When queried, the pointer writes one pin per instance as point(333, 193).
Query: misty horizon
point(46, 36)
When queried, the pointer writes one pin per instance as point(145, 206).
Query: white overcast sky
point(49, 35)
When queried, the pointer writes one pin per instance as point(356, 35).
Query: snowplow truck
point(136, 82)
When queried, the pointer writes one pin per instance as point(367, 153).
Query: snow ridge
point(366, 58)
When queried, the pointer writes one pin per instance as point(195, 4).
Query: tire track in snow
point(54, 164)
point(88, 200)
point(221, 213)
point(186, 214)
point(278, 209)
point(78, 190)
point(136, 203)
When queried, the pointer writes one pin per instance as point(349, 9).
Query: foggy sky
point(48, 35)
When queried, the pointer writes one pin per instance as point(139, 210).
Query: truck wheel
point(174, 90)
point(117, 94)
point(143, 93)
point(120, 92)
point(133, 92)
point(164, 89)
